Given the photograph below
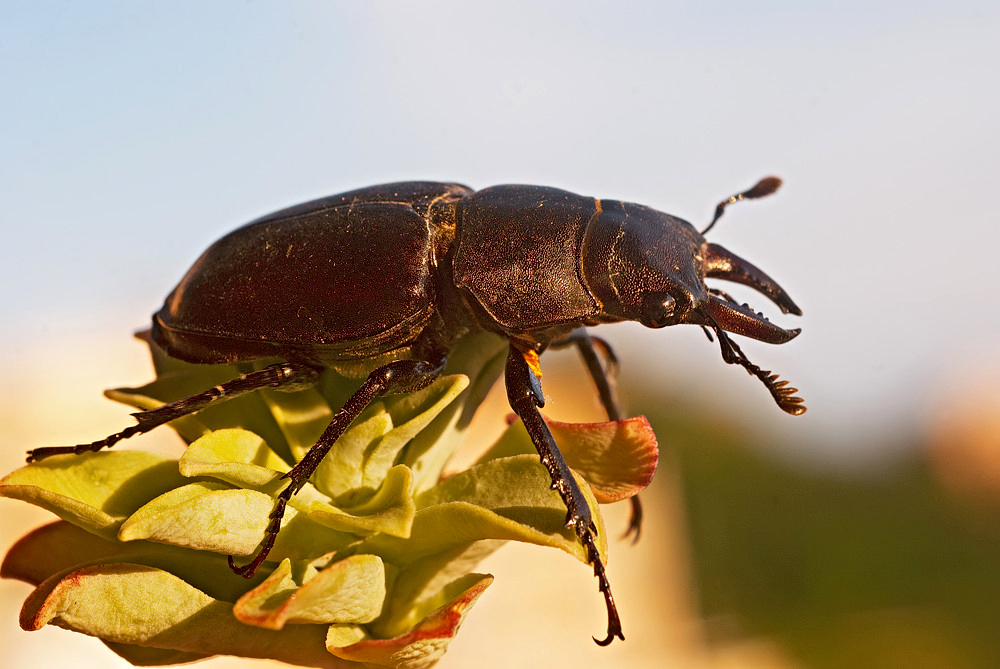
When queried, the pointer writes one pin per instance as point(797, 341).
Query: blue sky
point(134, 134)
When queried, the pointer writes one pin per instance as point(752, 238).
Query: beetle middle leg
point(280, 376)
point(399, 376)
point(524, 393)
point(605, 376)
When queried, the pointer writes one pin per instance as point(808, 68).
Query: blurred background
point(864, 533)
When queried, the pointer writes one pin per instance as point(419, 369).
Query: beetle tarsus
point(37, 454)
point(634, 529)
point(614, 621)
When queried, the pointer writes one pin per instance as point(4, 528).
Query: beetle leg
point(399, 376)
point(605, 376)
point(282, 375)
point(524, 392)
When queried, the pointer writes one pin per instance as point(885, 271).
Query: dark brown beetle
point(394, 275)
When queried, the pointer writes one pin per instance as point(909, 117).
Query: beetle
point(392, 276)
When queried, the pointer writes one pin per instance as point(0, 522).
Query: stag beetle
point(394, 275)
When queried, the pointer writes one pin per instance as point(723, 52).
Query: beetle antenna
point(783, 394)
point(762, 188)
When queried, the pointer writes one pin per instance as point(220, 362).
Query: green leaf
point(481, 358)
point(338, 636)
point(96, 491)
point(508, 498)
point(428, 584)
point(420, 647)
point(213, 517)
point(351, 590)
point(60, 548)
point(301, 415)
point(243, 459)
point(206, 516)
point(412, 414)
point(357, 464)
point(340, 475)
point(236, 456)
point(396, 544)
point(142, 606)
point(391, 510)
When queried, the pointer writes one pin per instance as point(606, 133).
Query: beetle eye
point(658, 310)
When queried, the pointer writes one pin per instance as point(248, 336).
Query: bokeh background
point(863, 533)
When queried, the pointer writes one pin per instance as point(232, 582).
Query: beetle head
point(654, 270)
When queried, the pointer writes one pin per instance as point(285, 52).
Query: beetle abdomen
point(519, 254)
point(332, 279)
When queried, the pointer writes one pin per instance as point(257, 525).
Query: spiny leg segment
point(524, 393)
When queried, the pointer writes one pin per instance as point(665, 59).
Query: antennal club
point(762, 188)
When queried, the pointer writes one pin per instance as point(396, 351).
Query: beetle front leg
point(524, 392)
point(400, 376)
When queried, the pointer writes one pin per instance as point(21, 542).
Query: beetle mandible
point(394, 275)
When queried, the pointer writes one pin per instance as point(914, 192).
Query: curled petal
point(617, 458)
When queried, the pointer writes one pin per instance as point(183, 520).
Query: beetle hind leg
point(282, 376)
point(524, 392)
